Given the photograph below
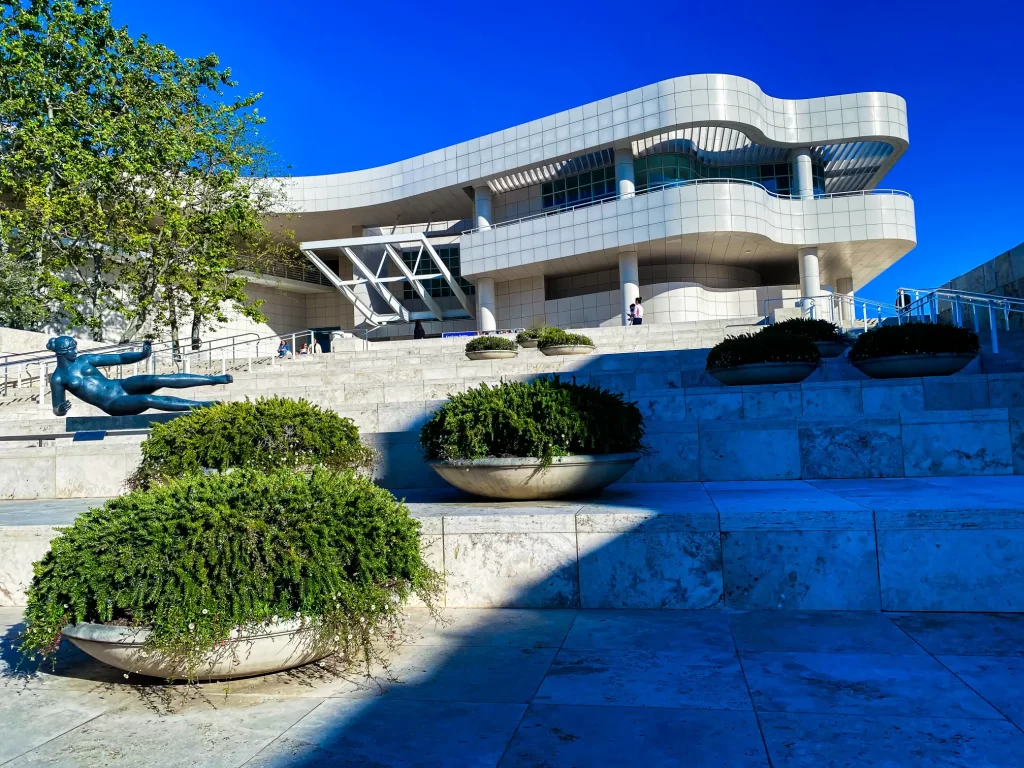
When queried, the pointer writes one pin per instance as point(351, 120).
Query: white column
point(803, 173)
point(810, 279)
point(844, 291)
point(482, 207)
point(485, 309)
point(629, 281)
point(625, 181)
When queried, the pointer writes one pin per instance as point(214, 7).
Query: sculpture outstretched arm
point(59, 399)
point(121, 358)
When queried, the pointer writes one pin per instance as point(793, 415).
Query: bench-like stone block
point(800, 570)
point(739, 451)
point(951, 570)
point(650, 569)
point(851, 448)
point(511, 570)
point(956, 443)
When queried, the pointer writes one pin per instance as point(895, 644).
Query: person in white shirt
point(638, 313)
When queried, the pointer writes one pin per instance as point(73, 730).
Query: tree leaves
point(133, 185)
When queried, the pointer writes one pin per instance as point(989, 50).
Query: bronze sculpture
point(80, 375)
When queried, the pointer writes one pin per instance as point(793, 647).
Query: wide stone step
point(831, 545)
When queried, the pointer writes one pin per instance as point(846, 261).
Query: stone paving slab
point(515, 688)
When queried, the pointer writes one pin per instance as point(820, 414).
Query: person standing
point(418, 331)
point(638, 312)
point(632, 314)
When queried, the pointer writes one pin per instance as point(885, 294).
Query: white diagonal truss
point(364, 275)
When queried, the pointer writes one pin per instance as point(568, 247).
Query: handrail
point(836, 303)
point(24, 358)
point(925, 305)
point(682, 183)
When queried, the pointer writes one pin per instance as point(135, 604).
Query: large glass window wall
point(659, 170)
point(436, 287)
point(580, 188)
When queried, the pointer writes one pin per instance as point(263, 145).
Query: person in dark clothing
point(418, 332)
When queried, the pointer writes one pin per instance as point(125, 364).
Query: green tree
point(133, 181)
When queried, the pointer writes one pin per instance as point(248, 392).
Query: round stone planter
point(492, 354)
point(529, 343)
point(831, 348)
point(522, 479)
point(912, 366)
point(279, 646)
point(764, 373)
point(568, 349)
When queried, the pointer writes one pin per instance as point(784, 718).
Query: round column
point(625, 181)
point(629, 281)
point(482, 206)
point(810, 279)
point(485, 305)
point(803, 173)
point(844, 292)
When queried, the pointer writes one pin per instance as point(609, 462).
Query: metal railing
point(31, 370)
point(554, 211)
point(838, 308)
point(983, 309)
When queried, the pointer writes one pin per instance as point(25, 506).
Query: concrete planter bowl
point(278, 646)
point(524, 479)
point(764, 373)
point(568, 349)
point(913, 366)
point(831, 348)
point(492, 354)
point(529, 343)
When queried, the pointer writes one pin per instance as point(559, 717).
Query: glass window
point(436, 287)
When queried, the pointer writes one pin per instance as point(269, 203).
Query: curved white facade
point(797, 234)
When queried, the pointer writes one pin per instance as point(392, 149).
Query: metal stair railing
point(839, 309)
point(926, 304)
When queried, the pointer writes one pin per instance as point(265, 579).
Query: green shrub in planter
point(196, 558)
point(815, 330)
point(762, 348)
point(543, 418)
point(484, 343)
point(529, 334)
point(556, 337)
point(914, 339)
point(265, 434)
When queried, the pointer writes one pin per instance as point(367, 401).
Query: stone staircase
point(836, 424)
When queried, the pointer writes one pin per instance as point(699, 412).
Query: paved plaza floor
point(564, 688)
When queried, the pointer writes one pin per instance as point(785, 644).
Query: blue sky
point(350, 85)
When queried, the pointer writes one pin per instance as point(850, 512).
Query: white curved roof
point(430, 187)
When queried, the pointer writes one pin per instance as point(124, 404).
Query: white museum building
point(702, 194)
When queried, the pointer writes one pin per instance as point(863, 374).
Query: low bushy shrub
point(813, 329)
point(196, 558)
point(529, 334)
point(266, 434)
point(543, 418)
point(482, 343)
point(762, 348)
point(556, 337)
point(914, 339)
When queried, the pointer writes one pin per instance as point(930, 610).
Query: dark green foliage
point(762, 348)
point(914, 339)
point(265, 434)
point(529, 334)
point(542, 418)
point(815, 330)
point(481, 343)
point(556, 337)
point(196, 558)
